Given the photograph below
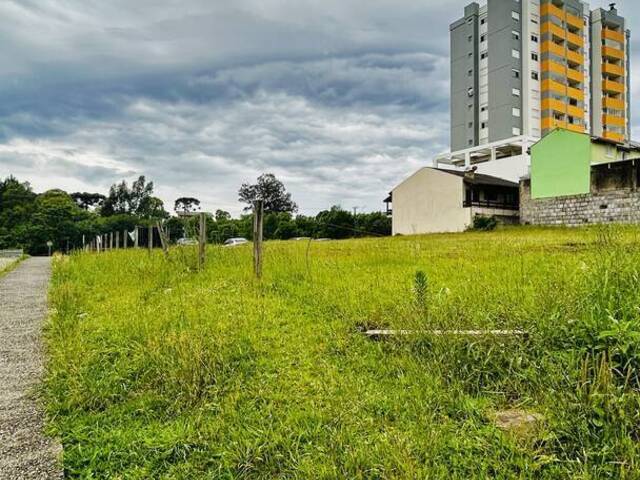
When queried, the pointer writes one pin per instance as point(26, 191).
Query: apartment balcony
point(610, 52)
point(575, 75)
point(550, 27)
point(551, 66)
point(574, 21)
point(551, 104)
point(549, 123)
point(554, 48)
point(575, 40)
point(552, 85)
point(613, 121)
point(574, 111)
point(612, 69)
point(609, 34)
point(613, 103)
point(611, 86)
point(575, 57)
point(575, 93)
point(614, 136)
point(549, 9)
point(575, 127)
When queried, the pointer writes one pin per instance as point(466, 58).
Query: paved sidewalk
point(25, 452)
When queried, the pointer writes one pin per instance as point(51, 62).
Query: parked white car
point(232, 242)
point(186, 241)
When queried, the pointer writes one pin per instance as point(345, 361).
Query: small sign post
point(49, 245)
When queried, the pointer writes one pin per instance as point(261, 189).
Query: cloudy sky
point(339, 98)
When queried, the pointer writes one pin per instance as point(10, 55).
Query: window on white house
point(515, 112)
point(515, 53)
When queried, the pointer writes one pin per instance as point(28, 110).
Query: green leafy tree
point(88, 201)
point(186, 204)
point(272, 191)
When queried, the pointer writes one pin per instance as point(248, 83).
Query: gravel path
point(25, 452)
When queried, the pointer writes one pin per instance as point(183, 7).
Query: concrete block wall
point(614, 206)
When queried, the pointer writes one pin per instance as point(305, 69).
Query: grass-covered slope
point(159, 371)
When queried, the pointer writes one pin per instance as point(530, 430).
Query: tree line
point(29, 220)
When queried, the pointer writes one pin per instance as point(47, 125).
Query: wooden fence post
point(163, 239)
point(136, 241)
point(125, 238)
point(117, 239)
point(258, 216)
point(202, 240)
point(110, 240)
point(150, 242)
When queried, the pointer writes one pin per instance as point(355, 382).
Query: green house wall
point(561, 165)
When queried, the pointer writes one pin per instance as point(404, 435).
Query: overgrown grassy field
point(157, 370)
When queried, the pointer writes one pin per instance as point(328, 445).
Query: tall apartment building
point(520, 68)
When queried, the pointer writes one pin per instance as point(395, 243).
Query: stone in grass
point(519, 422)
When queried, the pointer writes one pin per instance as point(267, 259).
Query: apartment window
point(470, 73)
point(534, 75)
point(515, 92)
point(470, 38)
point(515, 35)
point(534, 38)
point(484, 55)
point(483, 21)
point(470, 92)
point(515, 131)
point(469, 107)
point(470, 143)
point(483, 125)
point(515, 53)
point(470, 124)
point(483, 109)
point(534, 56)
point(515, 73)
point(470, 54)
point(483, 38)
point(515, 16)
point(515, 112)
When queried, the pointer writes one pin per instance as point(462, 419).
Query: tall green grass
point(157, 370)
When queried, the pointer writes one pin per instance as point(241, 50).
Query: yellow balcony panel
point(550, 47)
point(613, 120)
point(575, 128)
point(611, 86)
point(577, 112)
point(613, 35)
point(551, 66)
point(612, 53)
point(574, 21)
point(614, 103)
point(550, 27)
point(552, 85)
point(615, 136)
point(612, 69)
point(575, 93)
point(554, 105)
point(575, 75)
point(550, 9)
point(575, 57)
point(549, 123)
point(574, 39)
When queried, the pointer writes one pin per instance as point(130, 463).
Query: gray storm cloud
point(339, 99)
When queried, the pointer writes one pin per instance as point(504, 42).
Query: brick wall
point(620, 206)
